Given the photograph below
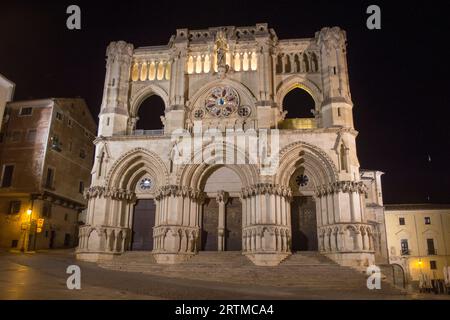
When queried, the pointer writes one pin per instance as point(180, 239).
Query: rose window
point(302, 180)
point(145, 184)
point(222, 102)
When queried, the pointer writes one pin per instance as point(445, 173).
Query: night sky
point(399, 75)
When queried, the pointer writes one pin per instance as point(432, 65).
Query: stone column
point(221, 198)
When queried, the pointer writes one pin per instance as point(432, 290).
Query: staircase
point(309, 271)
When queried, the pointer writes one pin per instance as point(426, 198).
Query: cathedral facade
point(230, 169)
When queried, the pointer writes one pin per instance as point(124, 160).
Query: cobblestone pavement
point(43, 275)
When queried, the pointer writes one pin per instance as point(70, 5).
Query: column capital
point(222, 196)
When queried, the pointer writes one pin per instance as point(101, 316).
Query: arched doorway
point(143, 223)
point(222, 211)
point(303, 213)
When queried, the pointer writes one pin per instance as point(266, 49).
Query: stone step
point(308, 270)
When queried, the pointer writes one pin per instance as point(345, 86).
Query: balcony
point(159, 132)
point(298, 124)
point(432, 252)
point(405, 252)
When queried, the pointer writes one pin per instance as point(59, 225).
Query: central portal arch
point(222, 211)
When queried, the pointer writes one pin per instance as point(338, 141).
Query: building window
point(16, 135)
point(7, 175)
point(59, 116)
point(430, 247)
point(401, 221)
point(404, 247)
point(82, 153)
point(67, 240)
point(31, 135)
point(81, 187)
point(69, 122)
point(427, 220)
point(433, 265)
point(14, 207)
point(66, 216)
point(14, 243)
point(47, 209)
point(49, 178)
point(25, 111)
point(56, 144)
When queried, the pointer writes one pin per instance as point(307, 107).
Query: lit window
point(190, 65)
point(160, 74)
point(237, 62)
point(143, 75)
point(168, 70)
point(152, 71)
point(245, 62)
point(135, 72)
point(198, 64)
point(254, 61)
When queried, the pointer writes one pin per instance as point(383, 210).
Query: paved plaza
point(42, 275)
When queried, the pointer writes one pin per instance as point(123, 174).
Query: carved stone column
point(221, 198)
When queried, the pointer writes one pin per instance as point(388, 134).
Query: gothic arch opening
point(298, 103)
point(149, 113)
point(303, 212)
point(222, 211)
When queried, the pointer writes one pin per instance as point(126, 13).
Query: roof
point(416, 206)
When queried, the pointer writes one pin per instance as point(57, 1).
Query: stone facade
point(46, 155)
point(214, 80)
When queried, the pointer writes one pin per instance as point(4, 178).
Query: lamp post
point(27, 231)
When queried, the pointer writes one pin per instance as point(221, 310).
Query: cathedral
point(231, 168)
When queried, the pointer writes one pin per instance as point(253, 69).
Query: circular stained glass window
point(222, 102)
point(146, 184)
point(302, 180)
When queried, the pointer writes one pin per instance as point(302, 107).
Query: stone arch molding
point(125, 170)
point(141, 94)
point(245, 95)
point(297, 81)
point(315, 160)
point(194, 174)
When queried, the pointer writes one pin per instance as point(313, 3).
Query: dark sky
point(399, 76)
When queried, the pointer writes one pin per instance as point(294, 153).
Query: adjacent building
point(46, 156)
point(419, 239)
point(6, 95)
